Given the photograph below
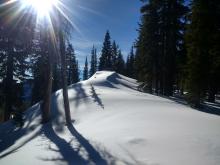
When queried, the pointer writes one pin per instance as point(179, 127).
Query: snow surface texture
point(113, 124)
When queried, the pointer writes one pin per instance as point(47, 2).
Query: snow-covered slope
point(113, 124)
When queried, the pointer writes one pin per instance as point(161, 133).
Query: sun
point(42, 7)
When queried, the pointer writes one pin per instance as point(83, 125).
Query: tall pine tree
point(130, 70)
point(160, 35)
point(72, 66)
point(93, 62)
point(203, 52)
point(120, 63)
point(85, 70)
point(105, 61)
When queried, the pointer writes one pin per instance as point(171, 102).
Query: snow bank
point(113, 124)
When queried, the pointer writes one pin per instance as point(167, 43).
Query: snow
point(113, 124)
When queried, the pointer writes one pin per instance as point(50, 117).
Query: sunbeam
point(42, 7)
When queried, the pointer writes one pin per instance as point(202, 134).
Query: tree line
point(111, 59)
point(176, 52)
point(30, 54)
point(178, 49)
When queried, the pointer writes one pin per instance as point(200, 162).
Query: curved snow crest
point(112, 80)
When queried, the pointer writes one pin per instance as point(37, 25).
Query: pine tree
point(93, 62)
point(130, 70)
point(214, 73)
point(85, 71)
point(105, 61)
point(120, 64)
point(148, 55)
point(203, 54)
point(172, 13)
point(158, 44)
point(14, 48)
point(114, 55)
point(72, 68)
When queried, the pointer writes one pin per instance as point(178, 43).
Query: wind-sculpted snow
point(113, 123)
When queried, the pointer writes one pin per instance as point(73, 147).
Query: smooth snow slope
point(113, 124)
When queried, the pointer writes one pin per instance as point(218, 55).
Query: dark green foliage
point(203, 50)
point(14, 48)
point(148, 45)
point(130, 64)
point(93, 62)
point(72, 66)
point(85, 70)
point(159, 44)
point(114, 55)
point(105, 61)
point(40, 63)
point(120, 63)
point(111, 56)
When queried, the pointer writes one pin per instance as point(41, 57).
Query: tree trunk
point(47, 97)
point(64, 78)
point(46, 105)
point(9, 82)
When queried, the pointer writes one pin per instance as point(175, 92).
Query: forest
point(176, 54)
point(121, 82)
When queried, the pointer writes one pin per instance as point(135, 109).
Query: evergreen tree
point(93, 62)
point(14, 48)
point(130, 70)
point(158, 44)
point(114, 55)
point(214, 73)
point(85, 71)
point(120, 64)
point(172, 13)
point(203, 52)
point(105, 61)
point(72, 68)
point(148, 54)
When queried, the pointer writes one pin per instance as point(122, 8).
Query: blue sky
point(92, 18)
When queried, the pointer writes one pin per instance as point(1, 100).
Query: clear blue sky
point(92, 18)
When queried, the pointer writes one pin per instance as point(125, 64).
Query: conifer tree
point(85, 70)
point(203, 54)
point(214, 73)
point(120, 63)
point(114, 55)
point(172, 13)
point(158, 44)
point(148, 55)
point(105, 61)
point(93, 62)
point(72, 68)
point(14, 48)
point(130, 70)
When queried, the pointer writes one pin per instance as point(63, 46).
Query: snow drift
point(113, 123)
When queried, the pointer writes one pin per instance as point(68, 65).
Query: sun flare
point(42, 7)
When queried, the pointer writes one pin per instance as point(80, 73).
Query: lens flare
point(42, 7)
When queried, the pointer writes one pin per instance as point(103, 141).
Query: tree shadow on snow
point(68, 153)
point(93, 155)
point(96, 98)
point(210, 108)
point(206, 107)
point(77, 151)
point(114, 78)
point(12, 138)
point(80, 94)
